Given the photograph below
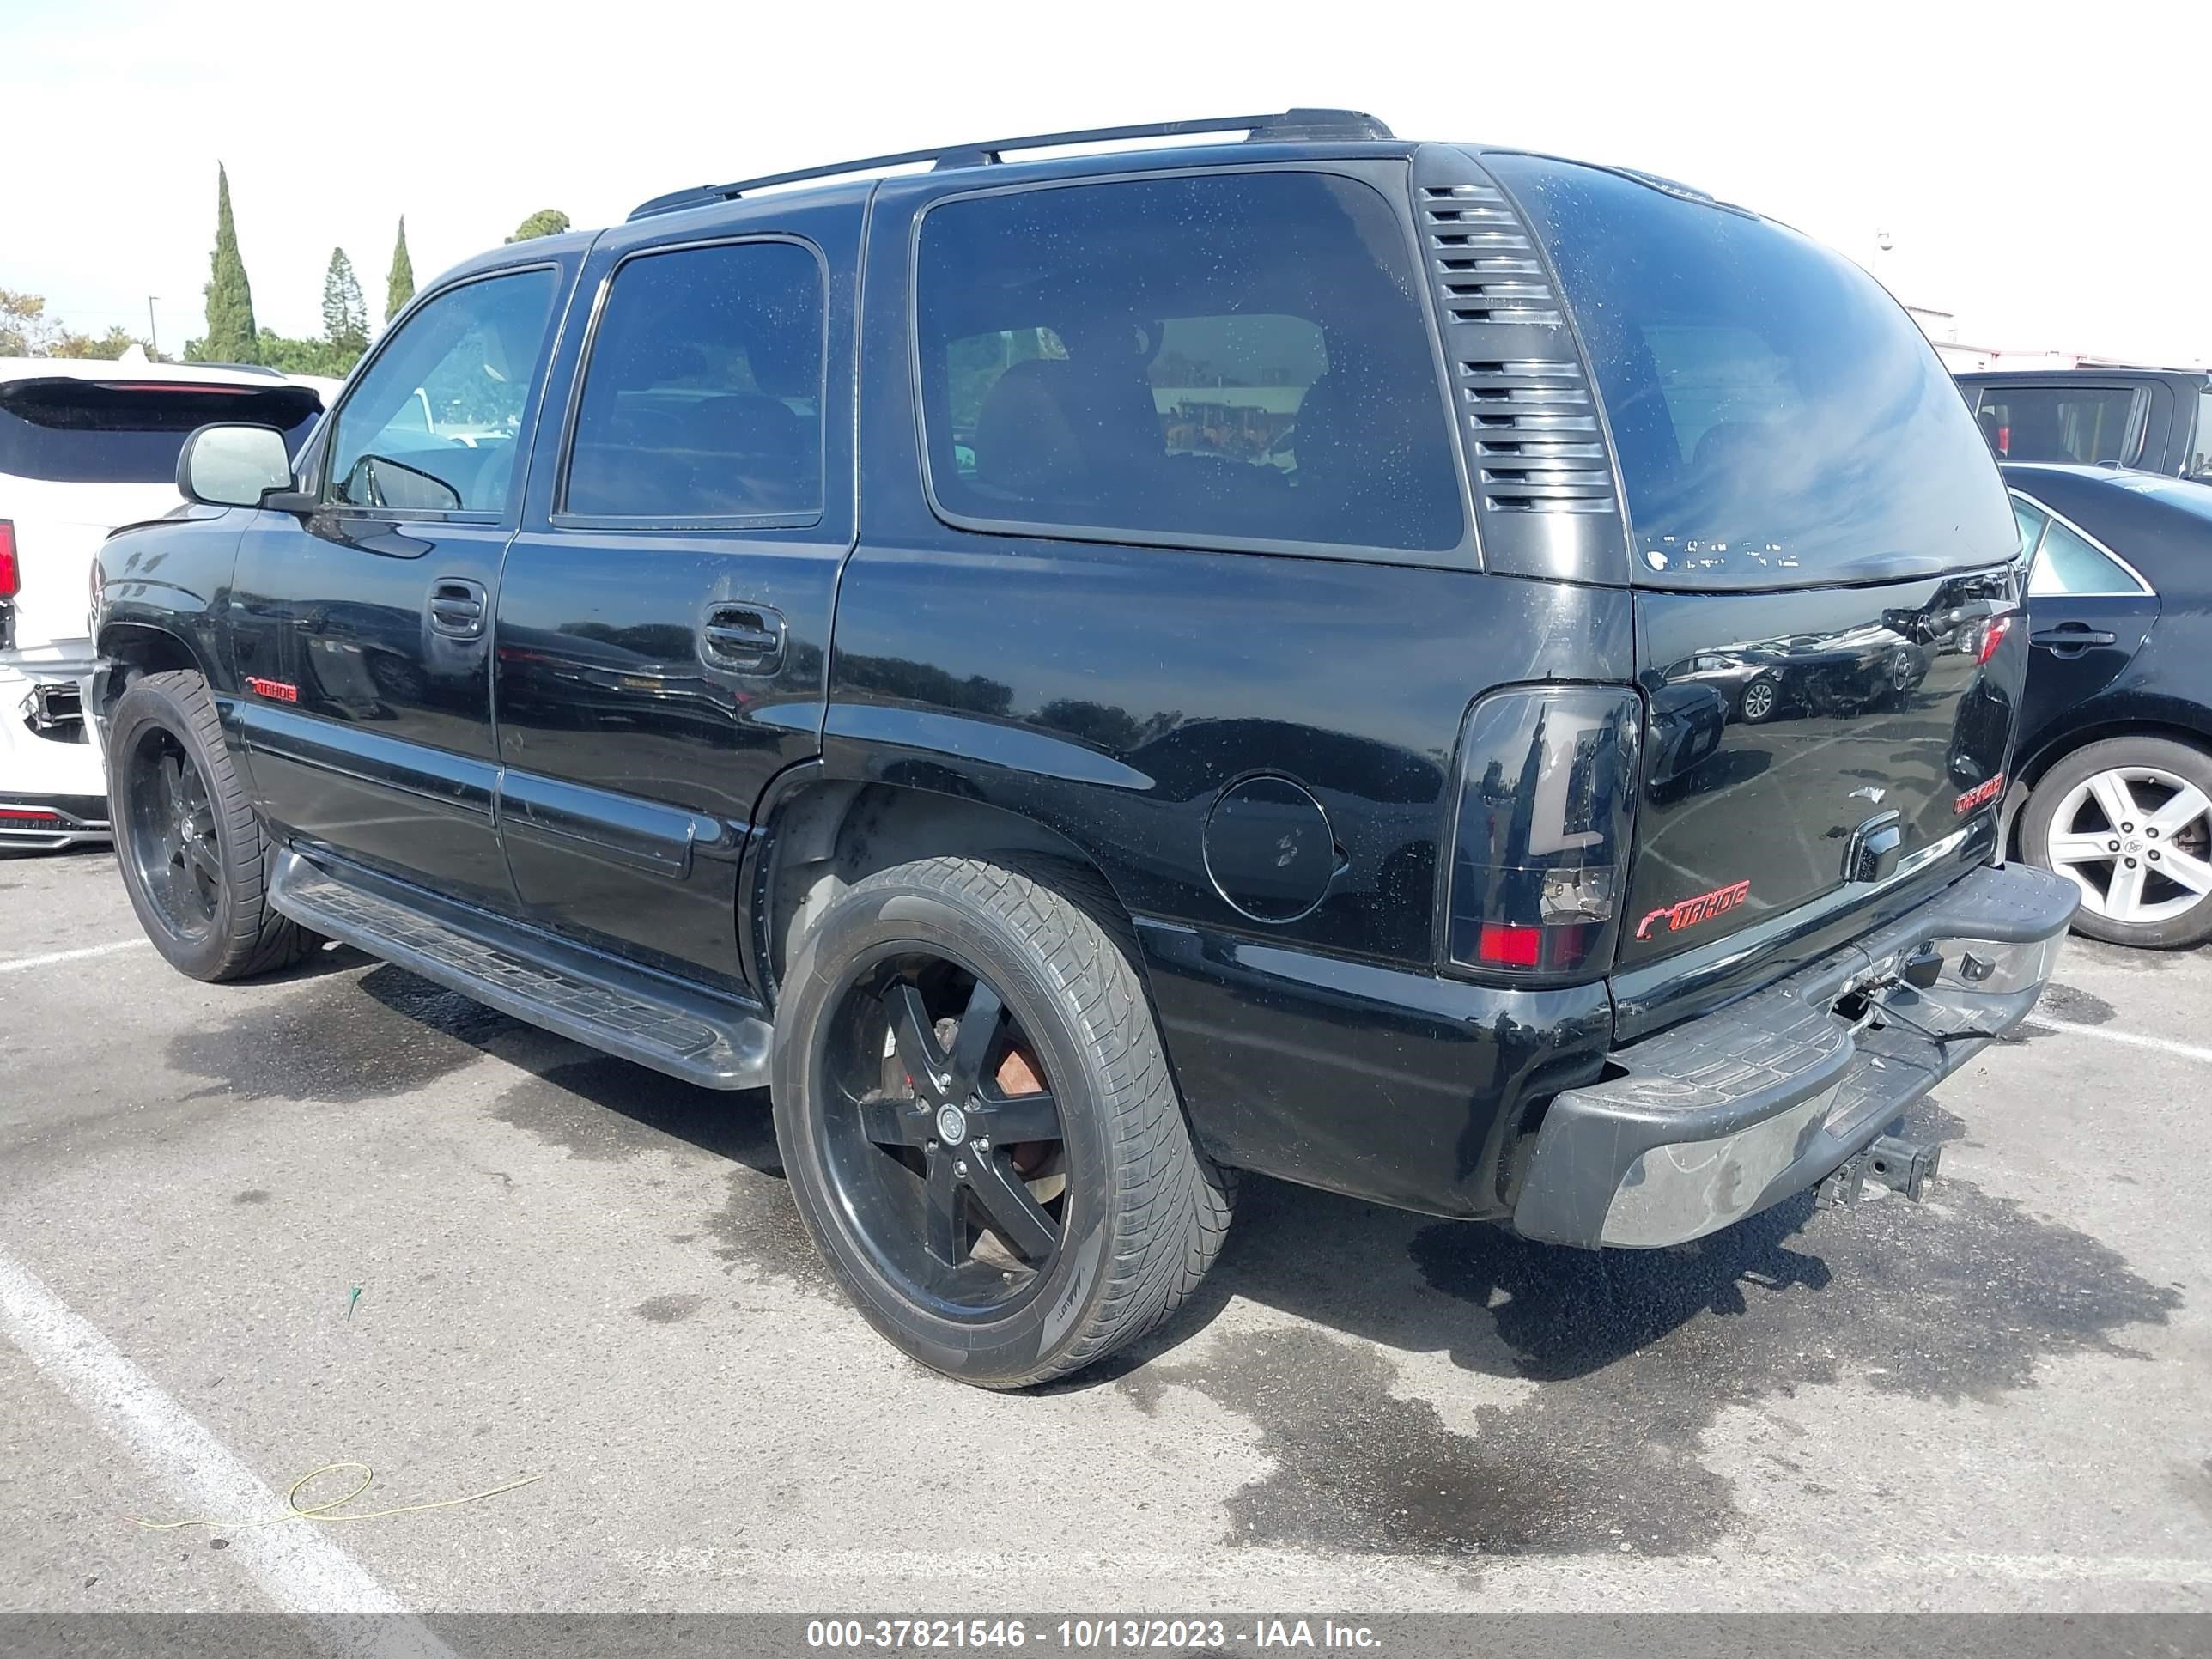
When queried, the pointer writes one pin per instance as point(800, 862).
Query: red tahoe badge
point(1691, 911)
point(1980, 795)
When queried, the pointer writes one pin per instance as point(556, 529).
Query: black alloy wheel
point(979, 1124)
point(957, 1186)
point(170, 837)
point(194, 856)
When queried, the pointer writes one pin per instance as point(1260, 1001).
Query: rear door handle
point(457, 607)
point(743, 636)
point(2070, 636)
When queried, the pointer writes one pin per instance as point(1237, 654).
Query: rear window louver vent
point(1533, 441)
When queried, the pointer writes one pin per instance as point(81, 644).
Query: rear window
point(71, 431)
point(1780, 421)
point(2093, 425)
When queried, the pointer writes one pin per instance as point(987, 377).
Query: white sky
point(2045, 170)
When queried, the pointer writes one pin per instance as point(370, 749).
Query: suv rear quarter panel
point(1111, 692)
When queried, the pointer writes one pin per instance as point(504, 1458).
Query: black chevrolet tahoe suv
point(1453, 676)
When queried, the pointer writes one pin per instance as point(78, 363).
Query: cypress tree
point(345, 316)
point(399, 286)
point(230, 331)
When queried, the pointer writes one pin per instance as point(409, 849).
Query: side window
point(2030, 521)
point(2087, 424)
point(2070, 563)
point(703, 398)
point(2200, 447)
point(432, 426)
point(1237, 355)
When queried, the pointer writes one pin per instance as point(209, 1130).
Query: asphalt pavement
point(343, 1215)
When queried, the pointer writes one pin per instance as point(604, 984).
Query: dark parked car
point(2155, 420)
point(2116, 728)
point(1087, 674)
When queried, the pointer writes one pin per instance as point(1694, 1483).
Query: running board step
point(581, 994)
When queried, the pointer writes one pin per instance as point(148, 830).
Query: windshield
point(72, 431)
point(1779, 419)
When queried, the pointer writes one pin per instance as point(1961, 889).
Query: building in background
point(1975, 351)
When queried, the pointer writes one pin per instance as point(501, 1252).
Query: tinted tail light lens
point(11, 575)
point(1539, 860)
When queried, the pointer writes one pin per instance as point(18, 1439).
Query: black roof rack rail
point(1285, 127)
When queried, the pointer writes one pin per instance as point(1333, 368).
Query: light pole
point(153, 339)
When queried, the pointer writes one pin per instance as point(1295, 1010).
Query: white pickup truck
point(86, 446)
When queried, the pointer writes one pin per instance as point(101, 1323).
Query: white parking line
point(2133, 1039)
point(301, 1568)
point(53, 959)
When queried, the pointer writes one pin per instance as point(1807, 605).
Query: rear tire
point(194, 857)
point(2129, 821)
point(1082, 1228)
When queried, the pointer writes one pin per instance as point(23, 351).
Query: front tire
point(978, 1123)
point(192, 851)
point(2130, 821)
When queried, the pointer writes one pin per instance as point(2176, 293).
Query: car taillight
point(1547, 792)
point(1993, 635)
point(11, 576)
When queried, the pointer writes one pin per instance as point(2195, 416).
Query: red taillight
point(2004, 440)
point(1993, 635)
point(11, 576)
point(27, 815)
point(1509, 944)
point(1547, 784)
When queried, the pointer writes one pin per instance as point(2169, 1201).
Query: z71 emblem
point(1691, 911)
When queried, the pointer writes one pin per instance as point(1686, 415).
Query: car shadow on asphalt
point(1961, 1297)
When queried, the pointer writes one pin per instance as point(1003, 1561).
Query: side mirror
point(233, 466)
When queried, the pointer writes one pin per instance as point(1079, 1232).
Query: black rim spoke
point(1012, 1210)
point(977, 1036)
point(891, 1122)
point(1009, 1119)
point(202, 861)
point(916, 1041)
point(943, 1227)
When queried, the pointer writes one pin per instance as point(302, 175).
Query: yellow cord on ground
point(325, 1511)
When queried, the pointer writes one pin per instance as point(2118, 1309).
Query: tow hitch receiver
point(1903, 1166)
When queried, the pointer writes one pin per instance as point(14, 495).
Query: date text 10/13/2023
point(1086, 1635)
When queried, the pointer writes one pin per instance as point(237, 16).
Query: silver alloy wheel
point(1758, 701)
point(2137, 841)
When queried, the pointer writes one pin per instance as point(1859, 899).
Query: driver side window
point(434, 424)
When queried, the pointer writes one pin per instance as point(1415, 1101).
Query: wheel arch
point(820, 835)
point(131, 648)
point(2104, 727)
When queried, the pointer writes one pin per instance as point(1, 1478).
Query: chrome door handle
point(457, 607)
point(746, 636)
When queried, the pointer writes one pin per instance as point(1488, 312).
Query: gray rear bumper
point(1720, 1117)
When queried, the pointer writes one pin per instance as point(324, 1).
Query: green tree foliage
point(292, 357)
point(110, 345)
point(230, 336)
point(546, 221)
point(345, 314)
point(24, 328)
point(399, 285)
point(25, 331)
